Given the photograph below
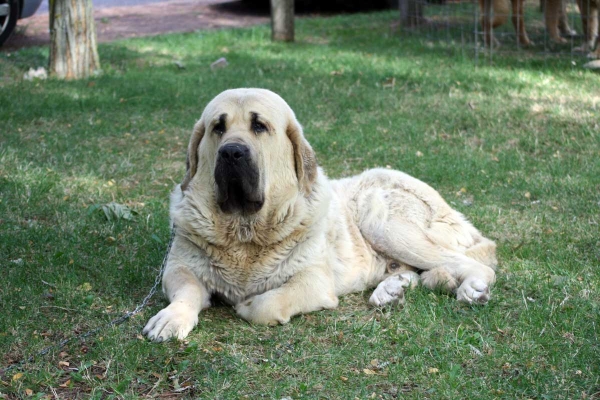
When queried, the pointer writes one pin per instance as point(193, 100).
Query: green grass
point(515, 146)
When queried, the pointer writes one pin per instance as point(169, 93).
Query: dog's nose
point(234, 152)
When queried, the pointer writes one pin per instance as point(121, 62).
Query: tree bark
point(412, 13)
point(282, 20)
point(73, 49)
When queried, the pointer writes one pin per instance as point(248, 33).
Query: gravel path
point(150, 18)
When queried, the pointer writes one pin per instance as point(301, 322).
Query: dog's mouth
point(234, 196)
point(237, 181)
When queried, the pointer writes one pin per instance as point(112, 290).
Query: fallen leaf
point(389, 83)
point(343, 378)
point(63, 364)
point(433, 370)
point(527, 195)
point(86, 287)
point(116, 212)
point(66, 384)
point(367, 371)
point(17, 376)
point(419, 154)
point(29, 392)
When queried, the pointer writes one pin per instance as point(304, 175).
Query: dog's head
point(249, 145)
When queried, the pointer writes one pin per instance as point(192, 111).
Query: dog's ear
point(192, 154)
point(304, 156)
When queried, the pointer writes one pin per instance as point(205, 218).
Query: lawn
point(514, 145)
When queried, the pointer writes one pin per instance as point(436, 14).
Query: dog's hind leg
point(442, 266)
point(391, 289)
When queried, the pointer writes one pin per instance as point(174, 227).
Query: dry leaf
point(389, 83)
point(527, 195)
point(419, 154)
point(375, 362)
point(369, 371)
point(63, 364)
point(86, 287)
point(17, 376)
point(29, 392)
point(66, 384)
point(433, 370)
point(343, 378)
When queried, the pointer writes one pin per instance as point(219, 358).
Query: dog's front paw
point(391, 290)
point(473, 290)
point(264, 309)
point(176, 320)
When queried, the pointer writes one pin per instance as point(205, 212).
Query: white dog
point(258, 223)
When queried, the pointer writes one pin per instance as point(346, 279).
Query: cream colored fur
point(314, 239)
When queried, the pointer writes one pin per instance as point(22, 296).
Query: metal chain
point(114, 322)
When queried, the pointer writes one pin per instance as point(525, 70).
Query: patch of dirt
point(147, 20)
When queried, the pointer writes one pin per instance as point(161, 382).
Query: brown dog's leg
point(486, 21)
point(553, 13)
point(594, 26)
point(563, 21)
point(500, 11)
point(519, 22)
point(588, 34)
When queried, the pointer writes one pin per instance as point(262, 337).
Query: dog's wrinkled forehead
point(242, 104)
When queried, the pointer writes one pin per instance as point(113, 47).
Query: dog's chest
point(238, 272)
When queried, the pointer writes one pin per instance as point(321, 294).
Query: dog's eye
point(219, 128)
point(258, 127)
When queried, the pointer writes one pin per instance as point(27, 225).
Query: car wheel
point(9, 12)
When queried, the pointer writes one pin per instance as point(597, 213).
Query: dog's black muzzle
point(238, 180)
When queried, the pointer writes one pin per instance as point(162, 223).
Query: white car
point(11, 11)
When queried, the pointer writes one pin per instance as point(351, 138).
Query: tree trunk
point(73, 49)
point(412, 13)
point(282, 20)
